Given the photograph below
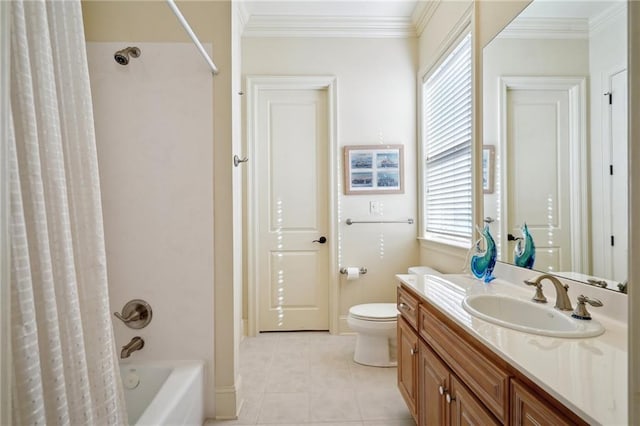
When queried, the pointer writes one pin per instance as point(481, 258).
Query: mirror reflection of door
point(618, 177)
point(538, 156)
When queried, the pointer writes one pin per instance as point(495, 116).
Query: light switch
point(374, 208)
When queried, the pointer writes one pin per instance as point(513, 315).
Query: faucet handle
point(135, 314)
point(581, 309)
point(539, 297)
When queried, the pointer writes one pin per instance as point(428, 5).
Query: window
point(446, 142)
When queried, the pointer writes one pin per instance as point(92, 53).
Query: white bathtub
point(164, 393)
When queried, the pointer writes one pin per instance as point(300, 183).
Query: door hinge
point(611, 169)
point(610, 95)
point(612, 241)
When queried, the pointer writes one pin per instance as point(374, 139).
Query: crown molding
point(423, 13)
point(328, 26)
point(600, 21)
point(547, 28)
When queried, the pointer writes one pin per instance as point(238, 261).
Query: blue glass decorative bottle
point(482, 263)
point(525, 256)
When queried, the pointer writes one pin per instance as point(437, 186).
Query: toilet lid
point(375, 311)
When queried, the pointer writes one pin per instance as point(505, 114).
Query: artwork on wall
point(488, 168)
point(373, 169)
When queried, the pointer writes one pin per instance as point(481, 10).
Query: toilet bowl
point(375, 325)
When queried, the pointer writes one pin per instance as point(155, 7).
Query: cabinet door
point(529, 409)
point(408, 364)
point(465, 409)
point(433, 377)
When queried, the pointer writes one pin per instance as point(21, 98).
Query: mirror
point(555, 139)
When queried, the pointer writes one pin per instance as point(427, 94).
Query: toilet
point(375, 325)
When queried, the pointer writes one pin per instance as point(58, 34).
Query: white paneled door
point(291, 139)
point(538, 158)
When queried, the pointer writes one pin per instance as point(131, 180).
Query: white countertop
point(588, 375)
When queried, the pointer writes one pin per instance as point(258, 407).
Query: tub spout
point(134, 345)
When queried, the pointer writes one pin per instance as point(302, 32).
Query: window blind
point(447, 114)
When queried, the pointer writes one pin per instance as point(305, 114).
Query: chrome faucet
point(134, 345)
point(562, 297)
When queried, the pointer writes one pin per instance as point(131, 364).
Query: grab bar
point(351, 221)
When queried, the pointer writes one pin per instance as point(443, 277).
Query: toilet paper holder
point(363, 271)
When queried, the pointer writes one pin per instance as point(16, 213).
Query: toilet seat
point(375, 312)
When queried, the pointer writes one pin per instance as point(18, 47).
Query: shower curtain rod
point(193, 36)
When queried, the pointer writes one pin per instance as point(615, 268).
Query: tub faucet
point(134, 345)
point(562, 297)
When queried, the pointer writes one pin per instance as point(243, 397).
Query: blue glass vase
point(482, 263)
point(525, 251)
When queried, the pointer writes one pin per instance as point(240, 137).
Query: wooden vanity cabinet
point(443, 399)
point(449, 378)
point(527, 408)
point(408, 365)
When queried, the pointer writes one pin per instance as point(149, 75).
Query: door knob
point(320, 240)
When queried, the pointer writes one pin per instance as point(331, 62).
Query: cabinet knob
point(442, 389)
point(450, 398)
point(414, 351)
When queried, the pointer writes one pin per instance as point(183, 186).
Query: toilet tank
point(423, 270)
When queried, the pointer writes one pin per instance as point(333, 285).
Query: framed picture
point(488, 168)
point(373, 169)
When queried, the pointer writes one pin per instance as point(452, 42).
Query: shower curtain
point(64, 355)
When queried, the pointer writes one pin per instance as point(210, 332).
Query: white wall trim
point(227, 402)
point(603, 19)
point(422, 14)
point(547, 28)
point(328, 26)
point(5, 259)
point(579, 197)
point(255, 84)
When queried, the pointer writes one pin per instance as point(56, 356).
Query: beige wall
point(376, 101)
point(145, 21)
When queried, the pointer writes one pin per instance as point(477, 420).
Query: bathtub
point(164, 393)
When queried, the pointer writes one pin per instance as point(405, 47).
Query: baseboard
point(228, 402)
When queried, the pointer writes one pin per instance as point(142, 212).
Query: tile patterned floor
point(309, 378)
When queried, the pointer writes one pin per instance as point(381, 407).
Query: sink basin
point(525, 315)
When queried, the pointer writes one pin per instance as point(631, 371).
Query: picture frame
point(373, 169)
point(488, 168)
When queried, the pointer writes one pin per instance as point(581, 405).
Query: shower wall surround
point(154, 134)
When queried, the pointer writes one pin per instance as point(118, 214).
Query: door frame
point(256, 84)
point(579, 196)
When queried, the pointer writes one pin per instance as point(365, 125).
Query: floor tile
point(334, 405)
point(310, 379)
point(284, 408)
point(382, 404)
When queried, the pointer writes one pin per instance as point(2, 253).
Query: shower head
point(122, 56)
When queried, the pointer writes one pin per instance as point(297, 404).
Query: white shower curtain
point(64, 355)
